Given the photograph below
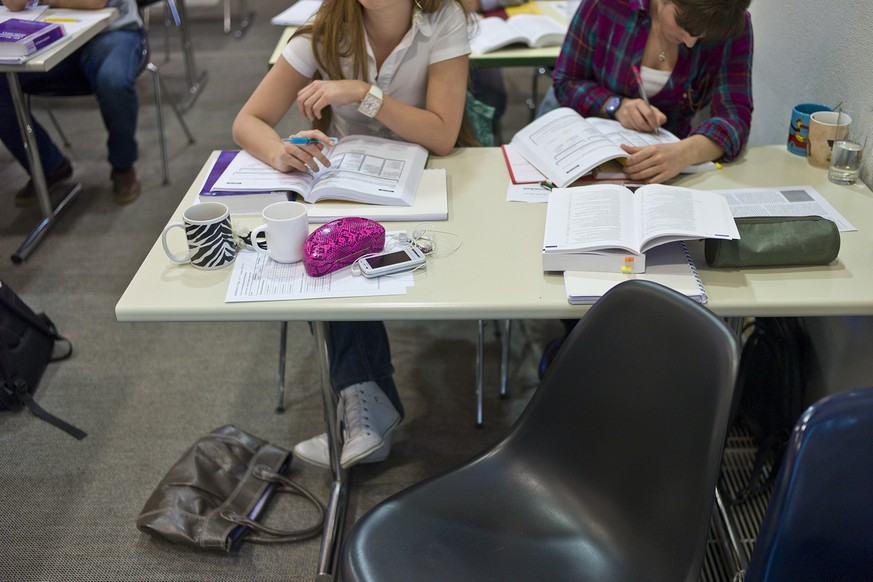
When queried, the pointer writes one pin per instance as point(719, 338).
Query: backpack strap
point(18, 396)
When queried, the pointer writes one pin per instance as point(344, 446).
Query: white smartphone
point(391, 262)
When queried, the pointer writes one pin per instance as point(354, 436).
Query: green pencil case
point(776, 241)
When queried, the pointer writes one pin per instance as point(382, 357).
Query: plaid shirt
point(606, 39)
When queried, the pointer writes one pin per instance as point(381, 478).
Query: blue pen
point(297, 140)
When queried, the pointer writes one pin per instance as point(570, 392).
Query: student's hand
point(639, 115)
point(655, 163)
point(291, 157)
point(319, 94)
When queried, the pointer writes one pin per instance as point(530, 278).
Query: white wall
point(811, 51)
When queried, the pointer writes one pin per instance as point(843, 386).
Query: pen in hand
point(657, 130)
point(297, 140)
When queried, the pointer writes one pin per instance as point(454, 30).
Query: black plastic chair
point(608, 475)
point(80, 87)
point(819, 522)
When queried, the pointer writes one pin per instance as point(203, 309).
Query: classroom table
point(500, 254)
point(42, 62)
point(506, 57)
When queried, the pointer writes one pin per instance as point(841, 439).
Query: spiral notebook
point(668, 264)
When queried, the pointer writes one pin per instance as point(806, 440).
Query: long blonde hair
point(337, 32)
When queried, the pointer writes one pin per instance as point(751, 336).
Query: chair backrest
point(631, 417)
point(819, 521)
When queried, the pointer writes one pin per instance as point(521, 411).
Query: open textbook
point(533, 30)
point(364, 169)
point(564, 146)
point(297, 14)
point(608, 216)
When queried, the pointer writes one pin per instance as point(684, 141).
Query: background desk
point(43, 62)
point(496, 274)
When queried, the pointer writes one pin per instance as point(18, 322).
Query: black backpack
point(27, 343)
point(771, 383)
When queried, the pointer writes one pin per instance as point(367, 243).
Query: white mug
point(286, 226)
point(209, 234)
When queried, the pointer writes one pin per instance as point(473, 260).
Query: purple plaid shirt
point(606, 39)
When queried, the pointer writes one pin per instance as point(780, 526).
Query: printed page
point(669, 213)
point(298, 14)
point(783, 201)
point(564, 146)
point(372, 170)
point(589, 218)
point(538, 29)
point(246, 173)
point(256, 277)
point(492, 33)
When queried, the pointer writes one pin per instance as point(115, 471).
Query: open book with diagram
point(366, 169)
point(565, 146)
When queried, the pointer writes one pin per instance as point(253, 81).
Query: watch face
point(612, 106)
point(370, 106)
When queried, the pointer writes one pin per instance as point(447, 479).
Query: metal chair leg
point(480, 372)
point(283, 342)
point(158, 83)
point(504, 360)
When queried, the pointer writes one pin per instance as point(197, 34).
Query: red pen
point(639, 79)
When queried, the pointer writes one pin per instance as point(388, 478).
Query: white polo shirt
point(433, 38)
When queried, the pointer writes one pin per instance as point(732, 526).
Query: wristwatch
point(372, 102)
point(612, 105)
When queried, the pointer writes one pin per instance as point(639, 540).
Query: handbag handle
point(269, 535)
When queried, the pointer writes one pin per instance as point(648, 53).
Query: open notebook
point(668, 264)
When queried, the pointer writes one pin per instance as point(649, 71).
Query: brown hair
point(337, 32)
point(712, 20)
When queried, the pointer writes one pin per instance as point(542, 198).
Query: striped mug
point(208, 232)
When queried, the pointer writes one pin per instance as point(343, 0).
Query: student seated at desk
point(110, 61)
point(690, 54)
point(390, 68)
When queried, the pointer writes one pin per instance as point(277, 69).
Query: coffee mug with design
point(798, 130)
point(209, 234)
point(286, 226)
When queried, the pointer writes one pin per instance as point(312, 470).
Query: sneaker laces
point(356, 415)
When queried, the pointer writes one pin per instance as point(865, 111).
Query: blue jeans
point(108, 65)
point(361, 353)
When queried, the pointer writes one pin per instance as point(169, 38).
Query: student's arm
point(659, 163)
point(435, 127)
point(253, 128)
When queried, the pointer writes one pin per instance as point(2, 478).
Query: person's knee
point(548, 103)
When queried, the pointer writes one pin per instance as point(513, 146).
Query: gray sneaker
point(367, 417)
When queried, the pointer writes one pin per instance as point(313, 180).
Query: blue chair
point(819, 521)
point(608, 475)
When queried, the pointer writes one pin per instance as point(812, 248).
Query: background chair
point(609, 474)
point(819, 522)
point(80, 87)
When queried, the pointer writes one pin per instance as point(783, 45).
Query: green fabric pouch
point(776, 241)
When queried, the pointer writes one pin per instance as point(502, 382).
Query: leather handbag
point(776, 241)
point(214, 495)
point(341, 242)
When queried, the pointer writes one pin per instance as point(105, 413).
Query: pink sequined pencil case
point(341, 242)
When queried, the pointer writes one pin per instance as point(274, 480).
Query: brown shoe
point(27, 195)
point(125, 186)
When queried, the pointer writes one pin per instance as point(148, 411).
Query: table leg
point(336, 506)
point(36, 174)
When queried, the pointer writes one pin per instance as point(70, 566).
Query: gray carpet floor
point(146, 392)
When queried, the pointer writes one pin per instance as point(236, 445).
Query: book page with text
point(590, 218)
point(564, 146)
point(671, 213)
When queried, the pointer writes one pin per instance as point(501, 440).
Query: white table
point(42, 62)
point(496, 274)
